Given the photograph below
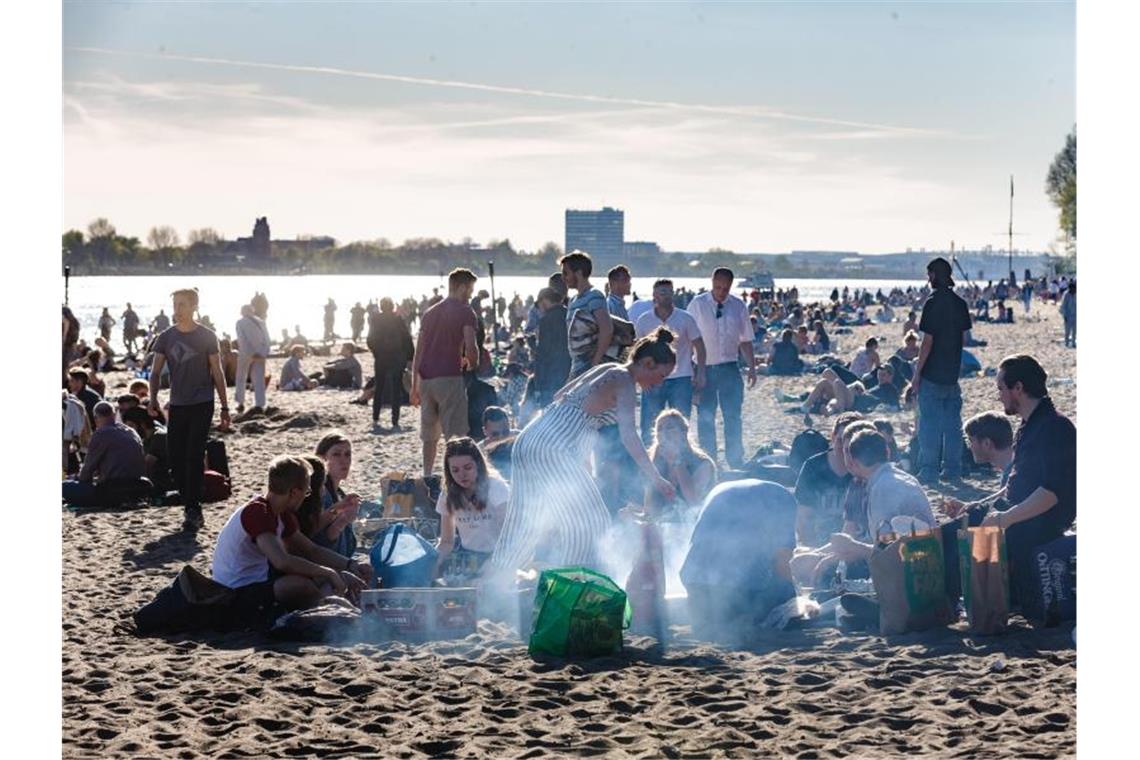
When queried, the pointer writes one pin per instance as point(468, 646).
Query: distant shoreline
point(740, 274)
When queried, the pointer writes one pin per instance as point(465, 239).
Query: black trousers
point(389, 384)
point(186, 433)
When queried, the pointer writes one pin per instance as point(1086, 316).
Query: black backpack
point(805, 445)
point(192, 602)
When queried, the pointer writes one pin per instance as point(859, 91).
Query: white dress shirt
point(723, 335)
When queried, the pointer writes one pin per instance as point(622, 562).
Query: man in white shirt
point(639, 308)
point(727, 333)
point(677, 390)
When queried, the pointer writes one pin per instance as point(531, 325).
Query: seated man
point(293, 376)
point(263, 555)
point(115, 453)
point(1042, 483)
point(127, 401)
point(886, 391)
point(153, 438)
point(77, 379)
point(890, 494)
point(737, 568)
point(822, 488)
point(496, 427)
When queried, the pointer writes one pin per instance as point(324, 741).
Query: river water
point(299, 300)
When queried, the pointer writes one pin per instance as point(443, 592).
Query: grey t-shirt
point(186, 355)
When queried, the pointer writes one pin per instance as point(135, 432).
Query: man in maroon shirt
point(445, 347)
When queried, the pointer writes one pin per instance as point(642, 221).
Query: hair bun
point(664, 335)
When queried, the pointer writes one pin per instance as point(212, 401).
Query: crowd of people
point(543, 448)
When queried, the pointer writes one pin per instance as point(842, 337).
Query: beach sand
point(815, 693)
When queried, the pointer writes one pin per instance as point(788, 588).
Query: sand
point(816, 693)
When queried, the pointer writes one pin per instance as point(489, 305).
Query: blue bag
point(402, 559)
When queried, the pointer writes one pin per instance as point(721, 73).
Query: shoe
point(192, 519)
point(860, 607)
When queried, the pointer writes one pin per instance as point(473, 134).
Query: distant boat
point(762, 281)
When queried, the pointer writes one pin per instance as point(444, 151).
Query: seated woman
point(332, 527)
point(691, 471)
point(472, 505)
point(344, 371)
point(293, 376)
point(821, 344)
point(785, 358)
point(910, 348)
point(738, 565)
point(800, 339)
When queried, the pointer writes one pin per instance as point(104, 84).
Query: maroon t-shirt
point(441, 331)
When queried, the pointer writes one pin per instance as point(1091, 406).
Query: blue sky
point(750, 126)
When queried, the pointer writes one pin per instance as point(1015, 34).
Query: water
point(299, 301)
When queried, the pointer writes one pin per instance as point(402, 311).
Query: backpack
point(805, 445)
point(216, 458)
point(215, 487)
point(192, 602)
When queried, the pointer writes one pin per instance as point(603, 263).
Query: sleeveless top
point(564, 428)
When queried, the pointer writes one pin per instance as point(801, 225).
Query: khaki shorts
point(443, 408)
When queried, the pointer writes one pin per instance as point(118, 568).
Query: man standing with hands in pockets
point(191, 351)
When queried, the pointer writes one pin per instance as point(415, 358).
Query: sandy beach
point(808, 694)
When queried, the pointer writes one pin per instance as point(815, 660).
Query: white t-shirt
point(238, 561)
point(479, 530)
point(683, 326)
point(637, 308)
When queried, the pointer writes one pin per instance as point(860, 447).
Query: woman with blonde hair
point(691, 471)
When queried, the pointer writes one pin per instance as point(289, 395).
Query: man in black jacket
point(392, 348)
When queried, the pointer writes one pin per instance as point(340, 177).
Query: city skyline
point(861, 127)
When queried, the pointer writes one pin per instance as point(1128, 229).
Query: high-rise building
point(599, 233)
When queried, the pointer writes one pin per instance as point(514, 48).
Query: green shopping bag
point(578, 613)
point(909, 575)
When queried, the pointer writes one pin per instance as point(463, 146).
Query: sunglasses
point(719, 310)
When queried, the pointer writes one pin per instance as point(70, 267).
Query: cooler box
point(419, 614)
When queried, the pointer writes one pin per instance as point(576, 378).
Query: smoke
point(619, 549)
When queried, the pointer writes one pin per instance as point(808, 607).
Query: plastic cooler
point(419, 614)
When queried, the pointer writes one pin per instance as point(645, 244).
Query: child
point(263, 555)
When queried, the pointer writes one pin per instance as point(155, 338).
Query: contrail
point(748, 112)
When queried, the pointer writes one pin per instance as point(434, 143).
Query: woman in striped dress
point(555, 506)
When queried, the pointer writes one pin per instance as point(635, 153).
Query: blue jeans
point(724, 386)
point(1070, 332)
point(939, 429)
point(675, 394)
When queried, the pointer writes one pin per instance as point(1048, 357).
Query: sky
point(756, 127)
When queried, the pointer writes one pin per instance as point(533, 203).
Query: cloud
point(748, 112)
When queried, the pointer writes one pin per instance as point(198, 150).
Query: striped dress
point(553, 494)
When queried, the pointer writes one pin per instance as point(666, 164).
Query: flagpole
point(1011, 228)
